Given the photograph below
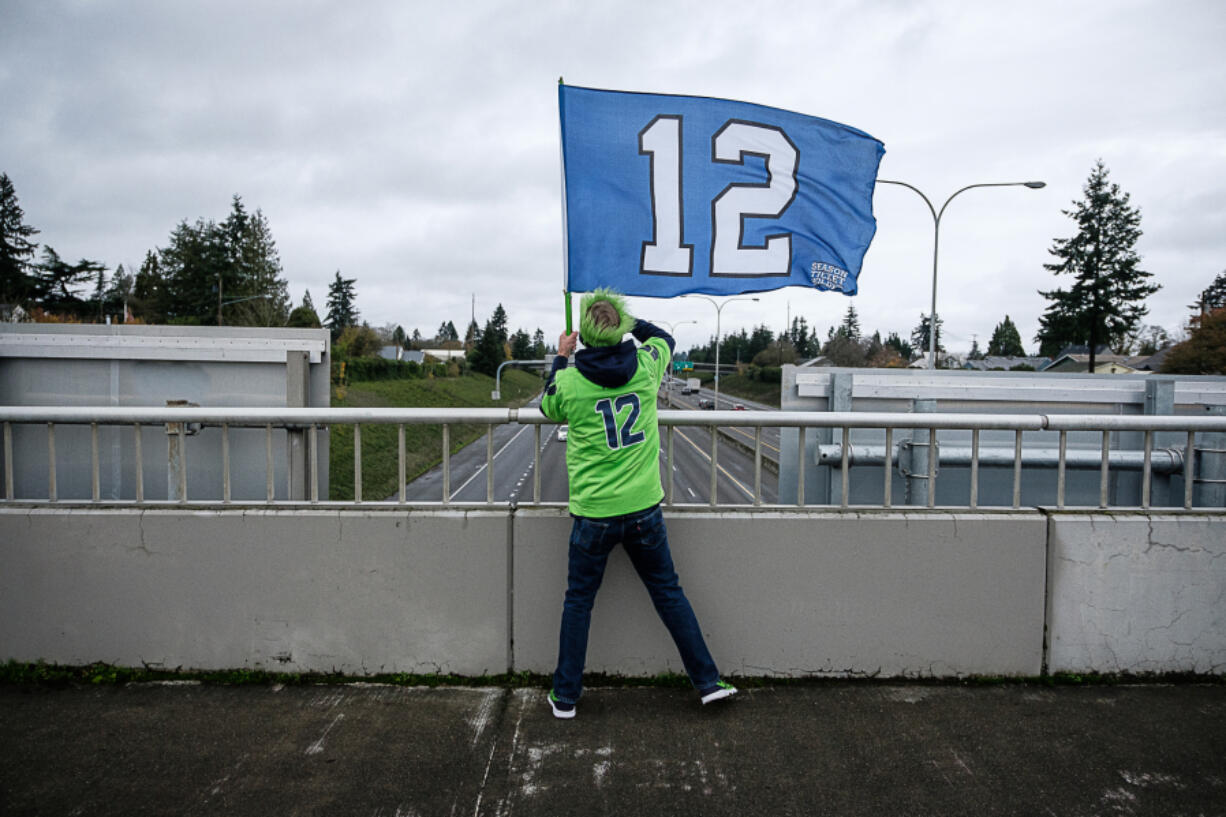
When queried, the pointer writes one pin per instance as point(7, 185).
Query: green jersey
point(613, 445)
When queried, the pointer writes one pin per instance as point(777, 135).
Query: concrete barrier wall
point(778, 593)
point(1135, 593)
point(294, 591)
point(801, 594)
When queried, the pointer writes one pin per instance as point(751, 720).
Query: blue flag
point(672, 194)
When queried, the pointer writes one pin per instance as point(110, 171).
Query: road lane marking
point(749, 437)
point(484, 464)
point(721, 468)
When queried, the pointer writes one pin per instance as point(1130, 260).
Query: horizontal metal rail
point(927, 453)
point(302, 417)
point(1163, 461)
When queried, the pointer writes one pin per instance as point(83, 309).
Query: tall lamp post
point(668, 395)
point(718, 309)
point(936, 237)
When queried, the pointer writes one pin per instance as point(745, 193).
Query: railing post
point(1210, 466)
point(840, 400)
point(915, 461)
point(297, 395)
point(176, 465)
point(796, 467)
point(1160, 400)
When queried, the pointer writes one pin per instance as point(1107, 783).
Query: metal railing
point(183, 422)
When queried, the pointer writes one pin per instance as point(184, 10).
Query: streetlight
point(718, 309)
point(221, 303)
point(672, 325)
point(936, 236)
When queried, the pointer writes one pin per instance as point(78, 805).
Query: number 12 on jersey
point(622, 436)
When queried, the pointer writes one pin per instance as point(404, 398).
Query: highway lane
point(513, 469)
point(770, 436)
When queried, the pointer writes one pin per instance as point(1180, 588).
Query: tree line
point(1102, 306)
point(229, 272)
point(209, 272)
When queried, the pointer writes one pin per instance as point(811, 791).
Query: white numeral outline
point(742, 200)
point(667, 253)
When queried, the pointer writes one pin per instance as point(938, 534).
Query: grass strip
point(53, 675)
point(423, 443)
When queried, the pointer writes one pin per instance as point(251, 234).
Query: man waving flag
point(666, 195)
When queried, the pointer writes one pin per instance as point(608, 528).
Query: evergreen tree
point(100, 292)
point(304, 317)
point(874, 345)
point(920, 339)
point(761, 339)
point(256, 268)
point(538, 344)
point(119, 293)
point(843, 350)
point(1006, 340)
point(802, 341)
point(16, 249)
point(489, 351)
point(472, 336)
point(902, 347)
point(975, 353)
point(851, 323)
point(342, 313)
point(192, 266)
point(521, 346)
point(228, 272)
point(149, 291)
point(58, 285)
point(1105, 302)
point(498, 322)
point(1213, 297)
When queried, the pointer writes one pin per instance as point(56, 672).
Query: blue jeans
point(646, 542)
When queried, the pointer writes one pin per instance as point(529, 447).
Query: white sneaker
point(717, 692)
point(560, 710)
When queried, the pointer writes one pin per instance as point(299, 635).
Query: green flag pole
point(566, 295)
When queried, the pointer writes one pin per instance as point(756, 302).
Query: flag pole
point(565, 247)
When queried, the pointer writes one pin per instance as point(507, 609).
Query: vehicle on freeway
point(704, 403)
point(738, 407)
point(562, 432)
point(692, 385)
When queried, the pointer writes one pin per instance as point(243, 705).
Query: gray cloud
point(414, 146)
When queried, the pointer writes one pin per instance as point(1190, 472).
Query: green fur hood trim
point(593, 335)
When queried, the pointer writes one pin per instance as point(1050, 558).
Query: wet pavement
point(810, 749)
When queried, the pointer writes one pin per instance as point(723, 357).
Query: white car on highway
point(562, 430)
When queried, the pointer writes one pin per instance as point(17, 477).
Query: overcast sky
point(414, 146)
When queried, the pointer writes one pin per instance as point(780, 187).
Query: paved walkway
point(839, 749)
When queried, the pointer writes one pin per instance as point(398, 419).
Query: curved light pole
point(718, 309)
point(936, 237)
point(668, 394)
point(671, 324)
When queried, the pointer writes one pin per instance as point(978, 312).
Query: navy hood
point(609, 366)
